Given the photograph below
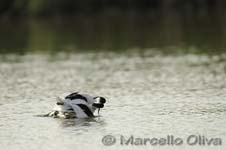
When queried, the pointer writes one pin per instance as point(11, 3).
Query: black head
point(102, 100)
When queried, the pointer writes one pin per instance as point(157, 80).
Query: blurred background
point(116, 25)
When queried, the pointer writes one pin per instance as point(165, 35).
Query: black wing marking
point(75, 95)
point(86, 110)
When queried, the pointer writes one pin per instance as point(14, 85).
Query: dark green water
point(167, 32)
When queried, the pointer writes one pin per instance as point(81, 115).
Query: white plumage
point(77, 105)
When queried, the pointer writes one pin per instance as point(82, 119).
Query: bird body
point(77, 105)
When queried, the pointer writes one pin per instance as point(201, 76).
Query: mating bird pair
point(77, 105)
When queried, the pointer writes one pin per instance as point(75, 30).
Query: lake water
point(152, 91)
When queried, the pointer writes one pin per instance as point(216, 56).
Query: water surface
point(148, 95)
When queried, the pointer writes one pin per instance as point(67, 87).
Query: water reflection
point(172, 31)
point(14, 37)
point(82, 122)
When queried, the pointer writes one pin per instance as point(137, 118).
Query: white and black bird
point(77, 105)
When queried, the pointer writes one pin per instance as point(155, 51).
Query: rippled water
point(148, 95)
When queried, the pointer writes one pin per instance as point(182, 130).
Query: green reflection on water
point(162, 32)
